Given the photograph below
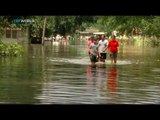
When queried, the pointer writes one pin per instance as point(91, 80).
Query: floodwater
point(60, 73)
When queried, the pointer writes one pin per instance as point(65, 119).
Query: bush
point(10, 49)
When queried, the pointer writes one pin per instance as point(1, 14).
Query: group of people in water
point(97, 49)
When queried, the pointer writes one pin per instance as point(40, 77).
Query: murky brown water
point(60, 73)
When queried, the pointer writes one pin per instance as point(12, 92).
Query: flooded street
point(60, 73)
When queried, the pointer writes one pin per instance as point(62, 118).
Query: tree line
point(129, 25)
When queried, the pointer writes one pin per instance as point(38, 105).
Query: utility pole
point(44, 28)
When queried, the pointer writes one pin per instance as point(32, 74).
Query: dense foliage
point(10, 49)
point(146, 25)
point(130, 25)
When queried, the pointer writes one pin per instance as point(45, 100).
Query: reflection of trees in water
point(19, 78)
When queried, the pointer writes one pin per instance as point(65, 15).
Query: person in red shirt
point(113, 46)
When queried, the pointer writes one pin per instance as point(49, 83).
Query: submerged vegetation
point(10, 49)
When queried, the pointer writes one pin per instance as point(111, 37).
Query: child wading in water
point(94, 52)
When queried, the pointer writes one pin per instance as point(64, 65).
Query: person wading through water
point(101, 45)
point(90, 40)
point(94, 52)
point(113, 49)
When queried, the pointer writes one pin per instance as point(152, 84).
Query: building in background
point(15, 35)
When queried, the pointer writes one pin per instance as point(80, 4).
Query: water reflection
point(96, 78)
point(61, 74)
point(105, 79)
point(112, 81)
point(96, 74)
point(91, 73)
point(19, 80)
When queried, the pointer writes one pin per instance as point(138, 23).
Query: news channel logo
point(23, 21)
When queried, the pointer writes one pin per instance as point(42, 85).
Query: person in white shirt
point(101, 45)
